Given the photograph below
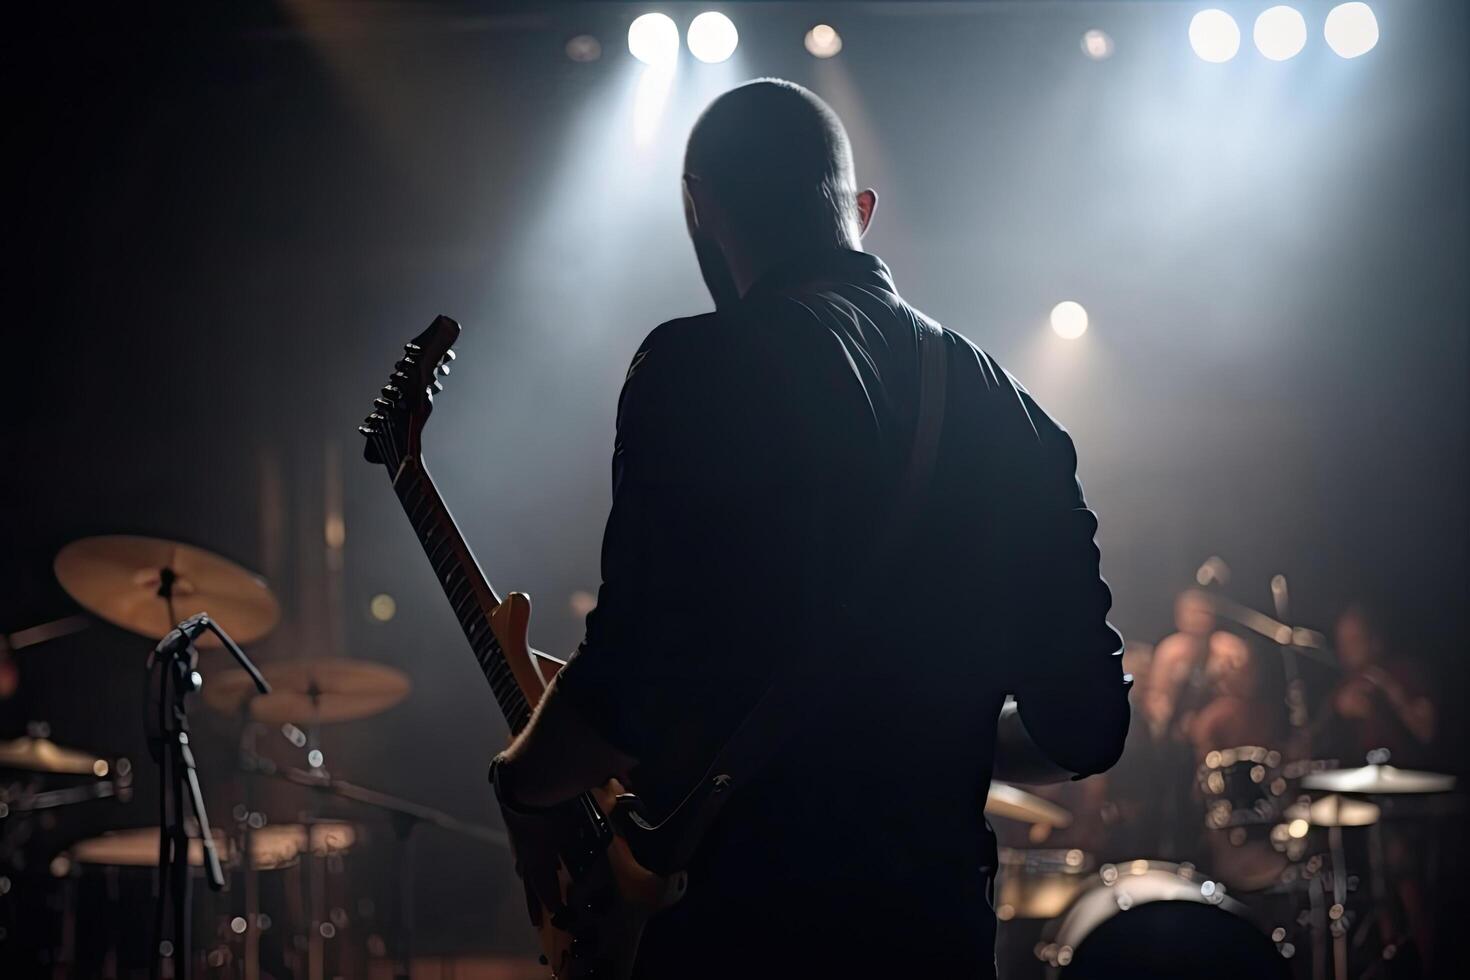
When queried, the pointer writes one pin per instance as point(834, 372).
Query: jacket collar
point(836, 265)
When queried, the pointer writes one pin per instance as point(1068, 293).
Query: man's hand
point(559, 755)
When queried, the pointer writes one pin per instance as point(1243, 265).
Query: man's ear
point(692, 209)
point(867, 203)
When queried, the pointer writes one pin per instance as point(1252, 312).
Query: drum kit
point(1289, 897)
point(294, 867)
point(1298, 887)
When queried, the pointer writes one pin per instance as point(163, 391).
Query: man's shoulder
point(682, 335)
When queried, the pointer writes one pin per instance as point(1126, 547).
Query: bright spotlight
point(654, 39)
point(1069, 320)
point(1097, 45)
point(1214, 35)
point(1351, 29)
point(1280, 33)
point(712, 37)
point(823, 41)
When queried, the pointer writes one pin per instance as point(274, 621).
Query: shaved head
point(768, 172)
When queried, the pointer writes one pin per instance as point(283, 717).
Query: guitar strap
point(767, 727)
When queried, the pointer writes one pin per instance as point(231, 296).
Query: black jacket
point(756, 462)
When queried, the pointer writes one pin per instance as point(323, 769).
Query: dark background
point(221, 228)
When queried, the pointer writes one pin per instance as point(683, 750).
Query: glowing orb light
point(654, 39)
point(1069, 320)
point(1214, 35)
point(712, 37)
point(1351, 29)
point(1280, 32)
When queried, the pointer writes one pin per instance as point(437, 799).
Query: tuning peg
point(382, 403)
point(390, 392)
point(450, 355)
point(411, 348)
point(442, 369)
point(435, 386)
point(398, 376)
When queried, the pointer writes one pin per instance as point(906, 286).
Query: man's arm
point(1070, 689)
point(617, 693)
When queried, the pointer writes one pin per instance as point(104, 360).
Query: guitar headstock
point(397, 421)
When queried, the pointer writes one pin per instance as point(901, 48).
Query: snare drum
point(1039, 883)
point(1160, 920)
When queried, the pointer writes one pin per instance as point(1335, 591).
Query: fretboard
point(464, 584)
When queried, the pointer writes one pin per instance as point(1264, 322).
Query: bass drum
point(1159, 920)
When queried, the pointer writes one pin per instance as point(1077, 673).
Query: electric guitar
point(607, 849)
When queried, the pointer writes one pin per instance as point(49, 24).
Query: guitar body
point(616, 869)
point(640, 892)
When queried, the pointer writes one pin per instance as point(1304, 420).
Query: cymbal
point(44, 755)
point(1005, 800)
point(138, 848)
point(308, 692)
point(1374, 780)
point(1335, 810)
point(117, 577)
point(278, 845)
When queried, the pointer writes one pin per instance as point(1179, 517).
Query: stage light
point(1097, 45)
point(584, 47)
point(1214, 35)
point(1069, 320)
point(654, 39)
point(1351, 29)
point(823, 41)
point(712, 37)
point(1280, 33)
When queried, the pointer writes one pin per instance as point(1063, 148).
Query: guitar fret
point(454, 567)
point(439, 551)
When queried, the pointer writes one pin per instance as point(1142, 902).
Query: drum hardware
point(1379, 779)
point(405, 816)
point(1039, 883)
point(35, 752)
point(146, 585)
point(42, 632)
point(311, 692)
point(1157, 919)
point(1012, 803)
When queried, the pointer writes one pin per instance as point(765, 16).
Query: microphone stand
point(168, 743)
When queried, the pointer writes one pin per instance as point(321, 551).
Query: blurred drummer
point(1379, 703)
point(1238, 712)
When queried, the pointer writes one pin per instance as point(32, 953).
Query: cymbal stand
point(1296, 698)
point(312, 883)
point(403, 866)
point(1338, 924)
point(1318, 928)
point(248, 731)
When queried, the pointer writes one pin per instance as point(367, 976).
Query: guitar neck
point(464, 584)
